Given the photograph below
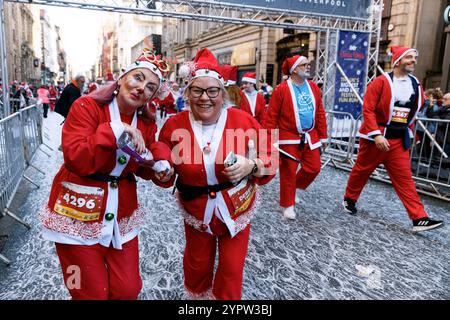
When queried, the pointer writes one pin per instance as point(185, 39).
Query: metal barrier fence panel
point(12, 159)
point(340, 135)
point(32, 131)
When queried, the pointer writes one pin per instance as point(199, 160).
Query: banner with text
point(352, 57)
point(345, 8)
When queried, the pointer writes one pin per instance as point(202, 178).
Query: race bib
point(79, 202)
point(241, 196)
point(400, 115)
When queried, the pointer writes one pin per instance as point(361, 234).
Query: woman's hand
point(242, 168)
point(136, 138)
point(164, 176)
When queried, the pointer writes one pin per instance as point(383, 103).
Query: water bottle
point(251, 150)
point(126, 145)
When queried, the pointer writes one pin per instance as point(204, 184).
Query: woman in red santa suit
point(217, 200)
point(252, 101)
point(93, 214)
point(296, 109)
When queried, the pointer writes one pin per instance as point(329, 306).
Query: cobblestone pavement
point(324, 254)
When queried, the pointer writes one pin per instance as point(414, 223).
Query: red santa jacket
point(168, 103)
point(92, 87)
point(283, 114)
point(260, 107)
point(182, 134)
point(89, 143)
point(379, 104)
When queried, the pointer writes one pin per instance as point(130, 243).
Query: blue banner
point(352, 57)
point(345, 8)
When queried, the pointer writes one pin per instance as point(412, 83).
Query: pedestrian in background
point(68, 96)
point(296, 110)
point(44, 96)
point(252, 101)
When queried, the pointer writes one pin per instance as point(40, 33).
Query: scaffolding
point(326, 25)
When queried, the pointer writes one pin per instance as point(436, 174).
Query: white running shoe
point(289, 213)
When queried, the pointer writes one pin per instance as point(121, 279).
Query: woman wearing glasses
point(217, 191)
point(296, 109)
point(93, 214)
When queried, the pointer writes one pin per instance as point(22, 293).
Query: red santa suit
point(303, 145)
point(167, 103)
point(53, 96)
point(85, 212)
point(254, 104)
point(379, 112)
point(92, 87)
point(214, 215)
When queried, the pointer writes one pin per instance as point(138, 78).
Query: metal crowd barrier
point(430, 158)
point(20, 138)
point(340, 146)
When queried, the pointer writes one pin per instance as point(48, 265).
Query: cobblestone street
point(324, 254)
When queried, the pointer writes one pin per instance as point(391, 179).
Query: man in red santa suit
point(92, 213)
point(252, 101)
point(296, 109)
point(218, 201)
point(390, 108)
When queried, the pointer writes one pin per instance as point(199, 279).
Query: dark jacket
point(443, 131)
point(68, 96)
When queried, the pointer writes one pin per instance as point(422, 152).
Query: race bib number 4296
point(79, 202)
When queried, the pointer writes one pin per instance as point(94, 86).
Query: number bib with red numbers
point(79, 202)
point(241, 195)
point(400, 115)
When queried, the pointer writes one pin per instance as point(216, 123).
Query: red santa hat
point(249, 77)
point(204, 65)
point(399, 52)
point(150, 61)
point(291, 63)
point(229, 74)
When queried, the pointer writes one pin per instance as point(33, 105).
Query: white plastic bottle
point(251, 150)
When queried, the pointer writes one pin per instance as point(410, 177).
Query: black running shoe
point(425, 224)
point(350, 206)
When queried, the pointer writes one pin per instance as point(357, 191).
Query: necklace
point(210, 135)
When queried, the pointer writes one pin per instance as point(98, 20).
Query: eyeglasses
point(305, 65)
point(211, 92)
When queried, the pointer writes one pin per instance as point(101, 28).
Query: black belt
point(189, 192)
point(107, 178)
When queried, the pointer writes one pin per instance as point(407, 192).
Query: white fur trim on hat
point(404, 54)
point(297, 62)
point(143, 64)
point(231, 82)
point(249, 80)
point(208, 73)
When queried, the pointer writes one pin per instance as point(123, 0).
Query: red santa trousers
point(310, 168)
point(105, 273)
point(199, 258)
point(396, 162)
